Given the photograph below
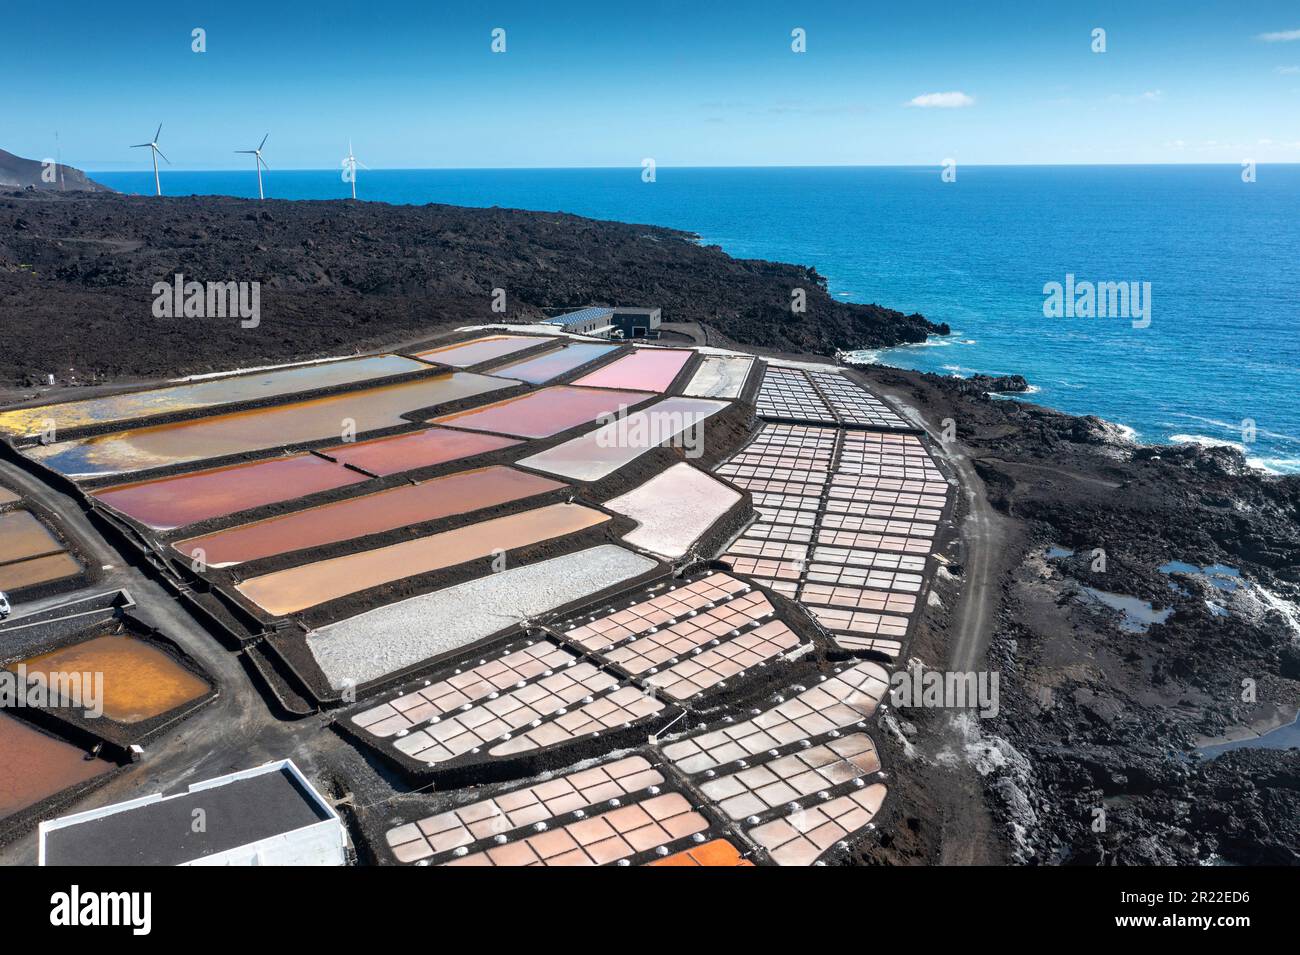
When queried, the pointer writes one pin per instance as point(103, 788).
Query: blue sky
point(687, 83)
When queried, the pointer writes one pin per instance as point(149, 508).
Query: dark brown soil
point(77, 273)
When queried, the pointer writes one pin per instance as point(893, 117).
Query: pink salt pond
point(417, 449)
point(650, 369)
point(547, 412)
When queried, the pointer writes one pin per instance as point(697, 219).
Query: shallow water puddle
point(553, 364)
point(203, 394)
point(478, 350)
point(258, 429)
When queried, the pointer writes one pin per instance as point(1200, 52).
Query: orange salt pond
point(651, 369)
point(171, 502)
point(7, 496)
point(37, 570)
point(543, 413)
point(140, 680)
point(478, 350)
point(23, 536)
point(297, 588)
point(418, 449)
point(37, 766)
point(209, 393)
point(258, 429)
point(718, 852)
point(370, 514)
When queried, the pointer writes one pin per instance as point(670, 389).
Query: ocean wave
point(1206, 442)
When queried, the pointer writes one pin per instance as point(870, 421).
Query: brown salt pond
point(140, 680)
point(478, 350)
point(23, 536)
point(258, 429)
point(370, 514)
point(38, 570)
point(651, 369)
point(167, 503)
point(417, 449)
point(543, 413)
point(36, 766)
point(554, 363)
point(297, 588)
point(209, 393)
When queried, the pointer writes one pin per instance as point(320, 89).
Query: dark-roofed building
point(270, 815)
point(599, 321)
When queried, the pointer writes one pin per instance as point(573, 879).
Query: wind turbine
point(350, 164)
point(259, 162)
point(155, 152)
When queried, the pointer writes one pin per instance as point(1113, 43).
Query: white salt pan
point(387, 639)
point(674, 509)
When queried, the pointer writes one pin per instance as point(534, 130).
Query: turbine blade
point(160, 153)
point(265, 164)
point(157, 134)
point(264, 139)
point(248, 151)
point(141, 145)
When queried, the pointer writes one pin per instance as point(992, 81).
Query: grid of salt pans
point(799, 803)
point(690, 638)
point(525, 700)
point(855, 405)
point(871, 527)
point(609, 813)
point(787, 393)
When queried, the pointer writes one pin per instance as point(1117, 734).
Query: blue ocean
point(1218, 361)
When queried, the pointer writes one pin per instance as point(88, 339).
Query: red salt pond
point(370, 514)
point(543, 413)
point(297, 588)
point(37, 766)
point(652, 369)
point(478, 350)
point(418, 449)
point(172, 502)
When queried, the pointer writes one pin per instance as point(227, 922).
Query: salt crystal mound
point(382, 641)
point(674, 509)
point(720, 376)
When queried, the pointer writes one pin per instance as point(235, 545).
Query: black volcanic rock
point(19, 173)
point(339, 275)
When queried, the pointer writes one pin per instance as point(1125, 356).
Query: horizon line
point(659, 166)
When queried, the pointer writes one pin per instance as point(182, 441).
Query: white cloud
point(953, 100)
point(1281, 36)
point(1288, 70)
